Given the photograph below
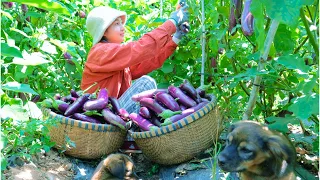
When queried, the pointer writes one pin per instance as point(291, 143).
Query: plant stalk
point(203, 43)
point(311, 37)
point(257, 80)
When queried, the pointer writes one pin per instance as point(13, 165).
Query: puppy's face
point(120, 166)
point(247, 146)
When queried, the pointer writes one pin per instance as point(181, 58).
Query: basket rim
point(177, 125)
point(79, 124)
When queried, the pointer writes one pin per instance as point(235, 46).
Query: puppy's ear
point(117, 168)
point(278, 147)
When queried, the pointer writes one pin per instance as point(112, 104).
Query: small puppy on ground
point(257, 153)
point(115, 166)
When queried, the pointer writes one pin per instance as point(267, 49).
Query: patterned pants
point(142, 84)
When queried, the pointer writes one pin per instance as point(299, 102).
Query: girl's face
point(115, 32)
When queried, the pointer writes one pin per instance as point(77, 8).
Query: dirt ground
point(53, 165)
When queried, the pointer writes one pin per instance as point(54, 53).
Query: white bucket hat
point(100, 18)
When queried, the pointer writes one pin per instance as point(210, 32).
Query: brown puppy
point(257, 153)
point(115, 166)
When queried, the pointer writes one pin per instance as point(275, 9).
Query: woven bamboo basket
point(184, 139)
point(91, 140)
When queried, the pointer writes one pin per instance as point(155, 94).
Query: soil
point(52, 165)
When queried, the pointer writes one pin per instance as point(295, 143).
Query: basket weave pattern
point(182, 140)
point(91, 140)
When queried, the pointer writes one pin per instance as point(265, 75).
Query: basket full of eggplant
point(85, 125)
point(176, 123)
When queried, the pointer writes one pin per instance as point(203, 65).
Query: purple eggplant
point(235, 13)
point(77, 105)
point(68, 99)
point(113, 119)
point(143, 123)
point(247, 19)
point(36, 98)
point(147, 94)
point(103, 94)
point(74, 93)
point(184, 114)
point(115, 104)
point(152, 104)
point(190, 90)
point(167, 100)
point(182, 107)
point(57, 103)
point(85, 118)
point(201, 92)
point(155, 120)
point(144, 112)
point(63, 107)
point(182, 97)
point(57, 96)
point(96, 104)
point(123, 113)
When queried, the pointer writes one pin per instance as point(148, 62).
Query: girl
point(113, 65)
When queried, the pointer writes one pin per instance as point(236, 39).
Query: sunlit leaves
point(256, 9)
point(17, 87)
point(281, 123)
point(293, 62)
point(287, 11)
point(47, 5)
point(9, 51)
point(32, 59)
point(303, 107)
point(283, 42)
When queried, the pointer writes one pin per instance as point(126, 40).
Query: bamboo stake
point(203, 43)
point(257, 80)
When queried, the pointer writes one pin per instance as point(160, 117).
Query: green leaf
point(256, 9)
point(7, 14)
point(17, 87)
point(307, 85)
point(4, 163)
point(286, 12)
point(280, 123)
point(9, 51)
point(293, 62)
point(32, 59)
point(167, 67)
point(283, 40)
point(213, 44)
point(303, 107)
point(33, 110)
point(16, 112)
point(52, 6)
point(49, 48)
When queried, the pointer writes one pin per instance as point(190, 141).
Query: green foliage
point(33, 44)
point(22, 133)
